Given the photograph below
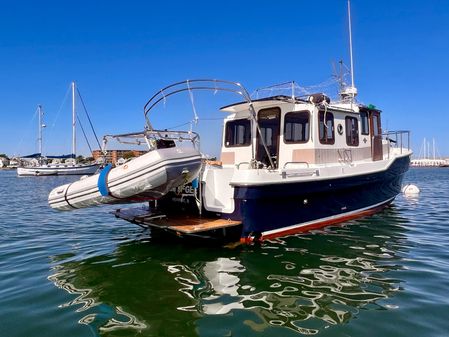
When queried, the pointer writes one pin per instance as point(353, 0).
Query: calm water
point(85, 273)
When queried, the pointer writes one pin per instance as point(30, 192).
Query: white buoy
point(410, 190)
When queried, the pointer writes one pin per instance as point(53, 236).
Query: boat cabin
point(301, 132)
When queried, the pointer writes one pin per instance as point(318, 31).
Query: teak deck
point(186, 224)
point(195, 225)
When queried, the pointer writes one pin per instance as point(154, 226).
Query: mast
point(433, 143)
point(425, 148)
point(73, 122)
point(41, 125)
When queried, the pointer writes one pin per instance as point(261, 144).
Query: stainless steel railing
point(398, 139)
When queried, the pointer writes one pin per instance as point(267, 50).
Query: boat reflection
point(302, 284)
point(86, 302)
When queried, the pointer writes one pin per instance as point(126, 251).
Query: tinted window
point(352, 131)
point(364, 122)
point(326, 129)
point(376, 126)
point(238, 133)
point(269, 124)
point(296, 127)
point(268, 120)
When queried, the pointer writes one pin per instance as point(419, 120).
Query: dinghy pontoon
point(169, 163)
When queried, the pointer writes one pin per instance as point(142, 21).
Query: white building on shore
point(4, 162)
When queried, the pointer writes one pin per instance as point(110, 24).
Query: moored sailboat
point(70, 167)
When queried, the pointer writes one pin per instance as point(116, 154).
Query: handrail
point(243, 162)
point(397, 138)
point(206, 84)
point(295, 162)
point(148, 135)
point(198, 84)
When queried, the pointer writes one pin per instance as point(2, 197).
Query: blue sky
point(120, 53)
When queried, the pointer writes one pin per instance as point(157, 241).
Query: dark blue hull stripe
point(277, 206)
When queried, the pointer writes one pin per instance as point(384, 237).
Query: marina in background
point(428, 157)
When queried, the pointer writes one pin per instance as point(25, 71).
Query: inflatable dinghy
point(147, 177)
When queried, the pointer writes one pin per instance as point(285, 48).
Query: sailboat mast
point(73, 122)
point(433, 143)
point(39, 112)
point(425, 148)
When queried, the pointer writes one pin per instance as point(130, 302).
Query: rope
point(195, 119)
point(84, 133)
point(165, 98)
point(178, 126)
point(23, 136)
point(203, 119)
point(90, 122)
point(60, 107)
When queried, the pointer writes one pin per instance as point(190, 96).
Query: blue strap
point(103, 181)
point(195, 183)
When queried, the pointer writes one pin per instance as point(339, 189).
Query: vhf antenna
point(350, 43)
point(349, 92)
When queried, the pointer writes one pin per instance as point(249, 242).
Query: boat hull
point(274, 210)
point(51, 170)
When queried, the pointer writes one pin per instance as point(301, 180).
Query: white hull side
point(47, 170)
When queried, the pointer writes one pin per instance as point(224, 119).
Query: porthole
point(340, 129)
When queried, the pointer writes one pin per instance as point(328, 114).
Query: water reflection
point(300, 284)
point(85, 301)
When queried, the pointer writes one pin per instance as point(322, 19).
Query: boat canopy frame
point(214, 85)
point(150, 137)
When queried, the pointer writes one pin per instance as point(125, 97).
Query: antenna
point(348, 93)
point(350, 43)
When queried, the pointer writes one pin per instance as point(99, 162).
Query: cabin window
point(364, 122)
point(352, 131)
point(267, 135)
point(326, 129)
point(296, 127)
point(238, 133)
point(269, 124)
point(376, 126)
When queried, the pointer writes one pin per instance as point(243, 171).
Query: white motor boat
point(291, 161)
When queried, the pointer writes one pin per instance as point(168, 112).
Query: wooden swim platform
point(180, 224)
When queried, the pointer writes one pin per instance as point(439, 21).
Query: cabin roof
point(279, 98)
point(235, 107)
